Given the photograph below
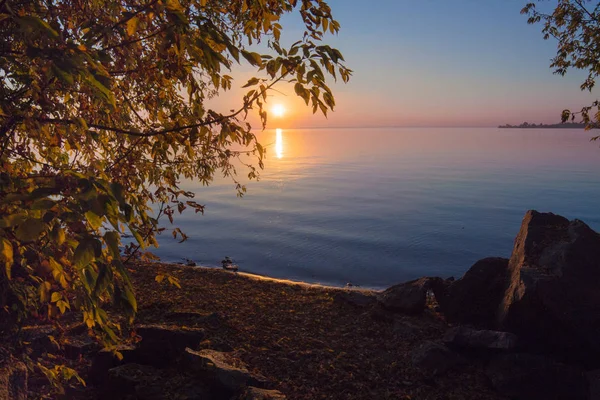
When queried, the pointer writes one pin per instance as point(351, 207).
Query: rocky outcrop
point(530, 377)
point(552, 299)
point(409, 297)
point(434, 358)
point(13, 380)
point(462, 337)
point(474, 298)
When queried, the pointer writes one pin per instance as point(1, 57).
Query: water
point(375, 207)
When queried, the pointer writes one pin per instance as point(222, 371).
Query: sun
point(278, 110)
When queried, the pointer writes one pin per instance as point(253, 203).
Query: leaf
point(62, 306)
point(6, 252)
point(84, 253)
point(55, 297)
point(34, 22)
point(174, 281)
point(58, 234)
point(130, 298)
point(30, 230)
point(132, 26)
point(112, 240)
point(104, 279)
point(137, 237)
point(159, 278)
point(251, 82)
point(94, 219)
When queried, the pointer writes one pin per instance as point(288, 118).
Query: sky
point(433, 63)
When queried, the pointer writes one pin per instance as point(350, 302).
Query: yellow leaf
point(6, 252)
point(82, 47)
point(132, 26)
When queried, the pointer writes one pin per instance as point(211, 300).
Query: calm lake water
point(376, 207)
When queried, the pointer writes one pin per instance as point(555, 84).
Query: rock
point(105, 360)
point(468, 338)
point(434, 358)
point(355, 297)
point(552, 300)
point(143, 382)
point(79, 346)
point(530, 377)
point(13, 380)
point(39, 338)
point(124, 379)
point(222, 371)
point(409, 297)
point(253, 393)
point(594, 384)
point(405, 328)
point(162, 344)
point(474, 298)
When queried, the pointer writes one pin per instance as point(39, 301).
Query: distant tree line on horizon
point(564, 125)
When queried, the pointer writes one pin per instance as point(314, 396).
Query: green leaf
point(112, 240)
point(104, 279)
point(137, 237)
point(33, 22)
point(84, 253)
point(30, 230)
point(43, 204)
point(251, 82)
point(129, 296)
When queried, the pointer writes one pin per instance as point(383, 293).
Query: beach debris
point(228, 264)
point(189, 262)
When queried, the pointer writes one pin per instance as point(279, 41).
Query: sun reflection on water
point(279, 143)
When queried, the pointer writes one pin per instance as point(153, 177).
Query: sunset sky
point(434, 63)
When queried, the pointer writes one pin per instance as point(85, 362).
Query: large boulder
point(164, 344)
point(552, 300)
point(222, 371)
point(434, 358)
point(409, 297)
point(104, 360)
point(531, 377)
point(13, 380)
point(462, 337)
point(474, 298)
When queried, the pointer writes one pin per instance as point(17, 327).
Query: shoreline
point(279, 280)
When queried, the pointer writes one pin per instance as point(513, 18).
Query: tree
point(575, 24)
point(103, 111)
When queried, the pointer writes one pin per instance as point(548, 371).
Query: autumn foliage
point(103, 110)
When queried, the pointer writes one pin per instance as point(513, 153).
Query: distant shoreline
point(527, 125)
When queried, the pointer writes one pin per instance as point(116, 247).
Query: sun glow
point(278, 110)
point(278, 143)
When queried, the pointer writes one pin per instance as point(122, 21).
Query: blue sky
point(440, 63)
